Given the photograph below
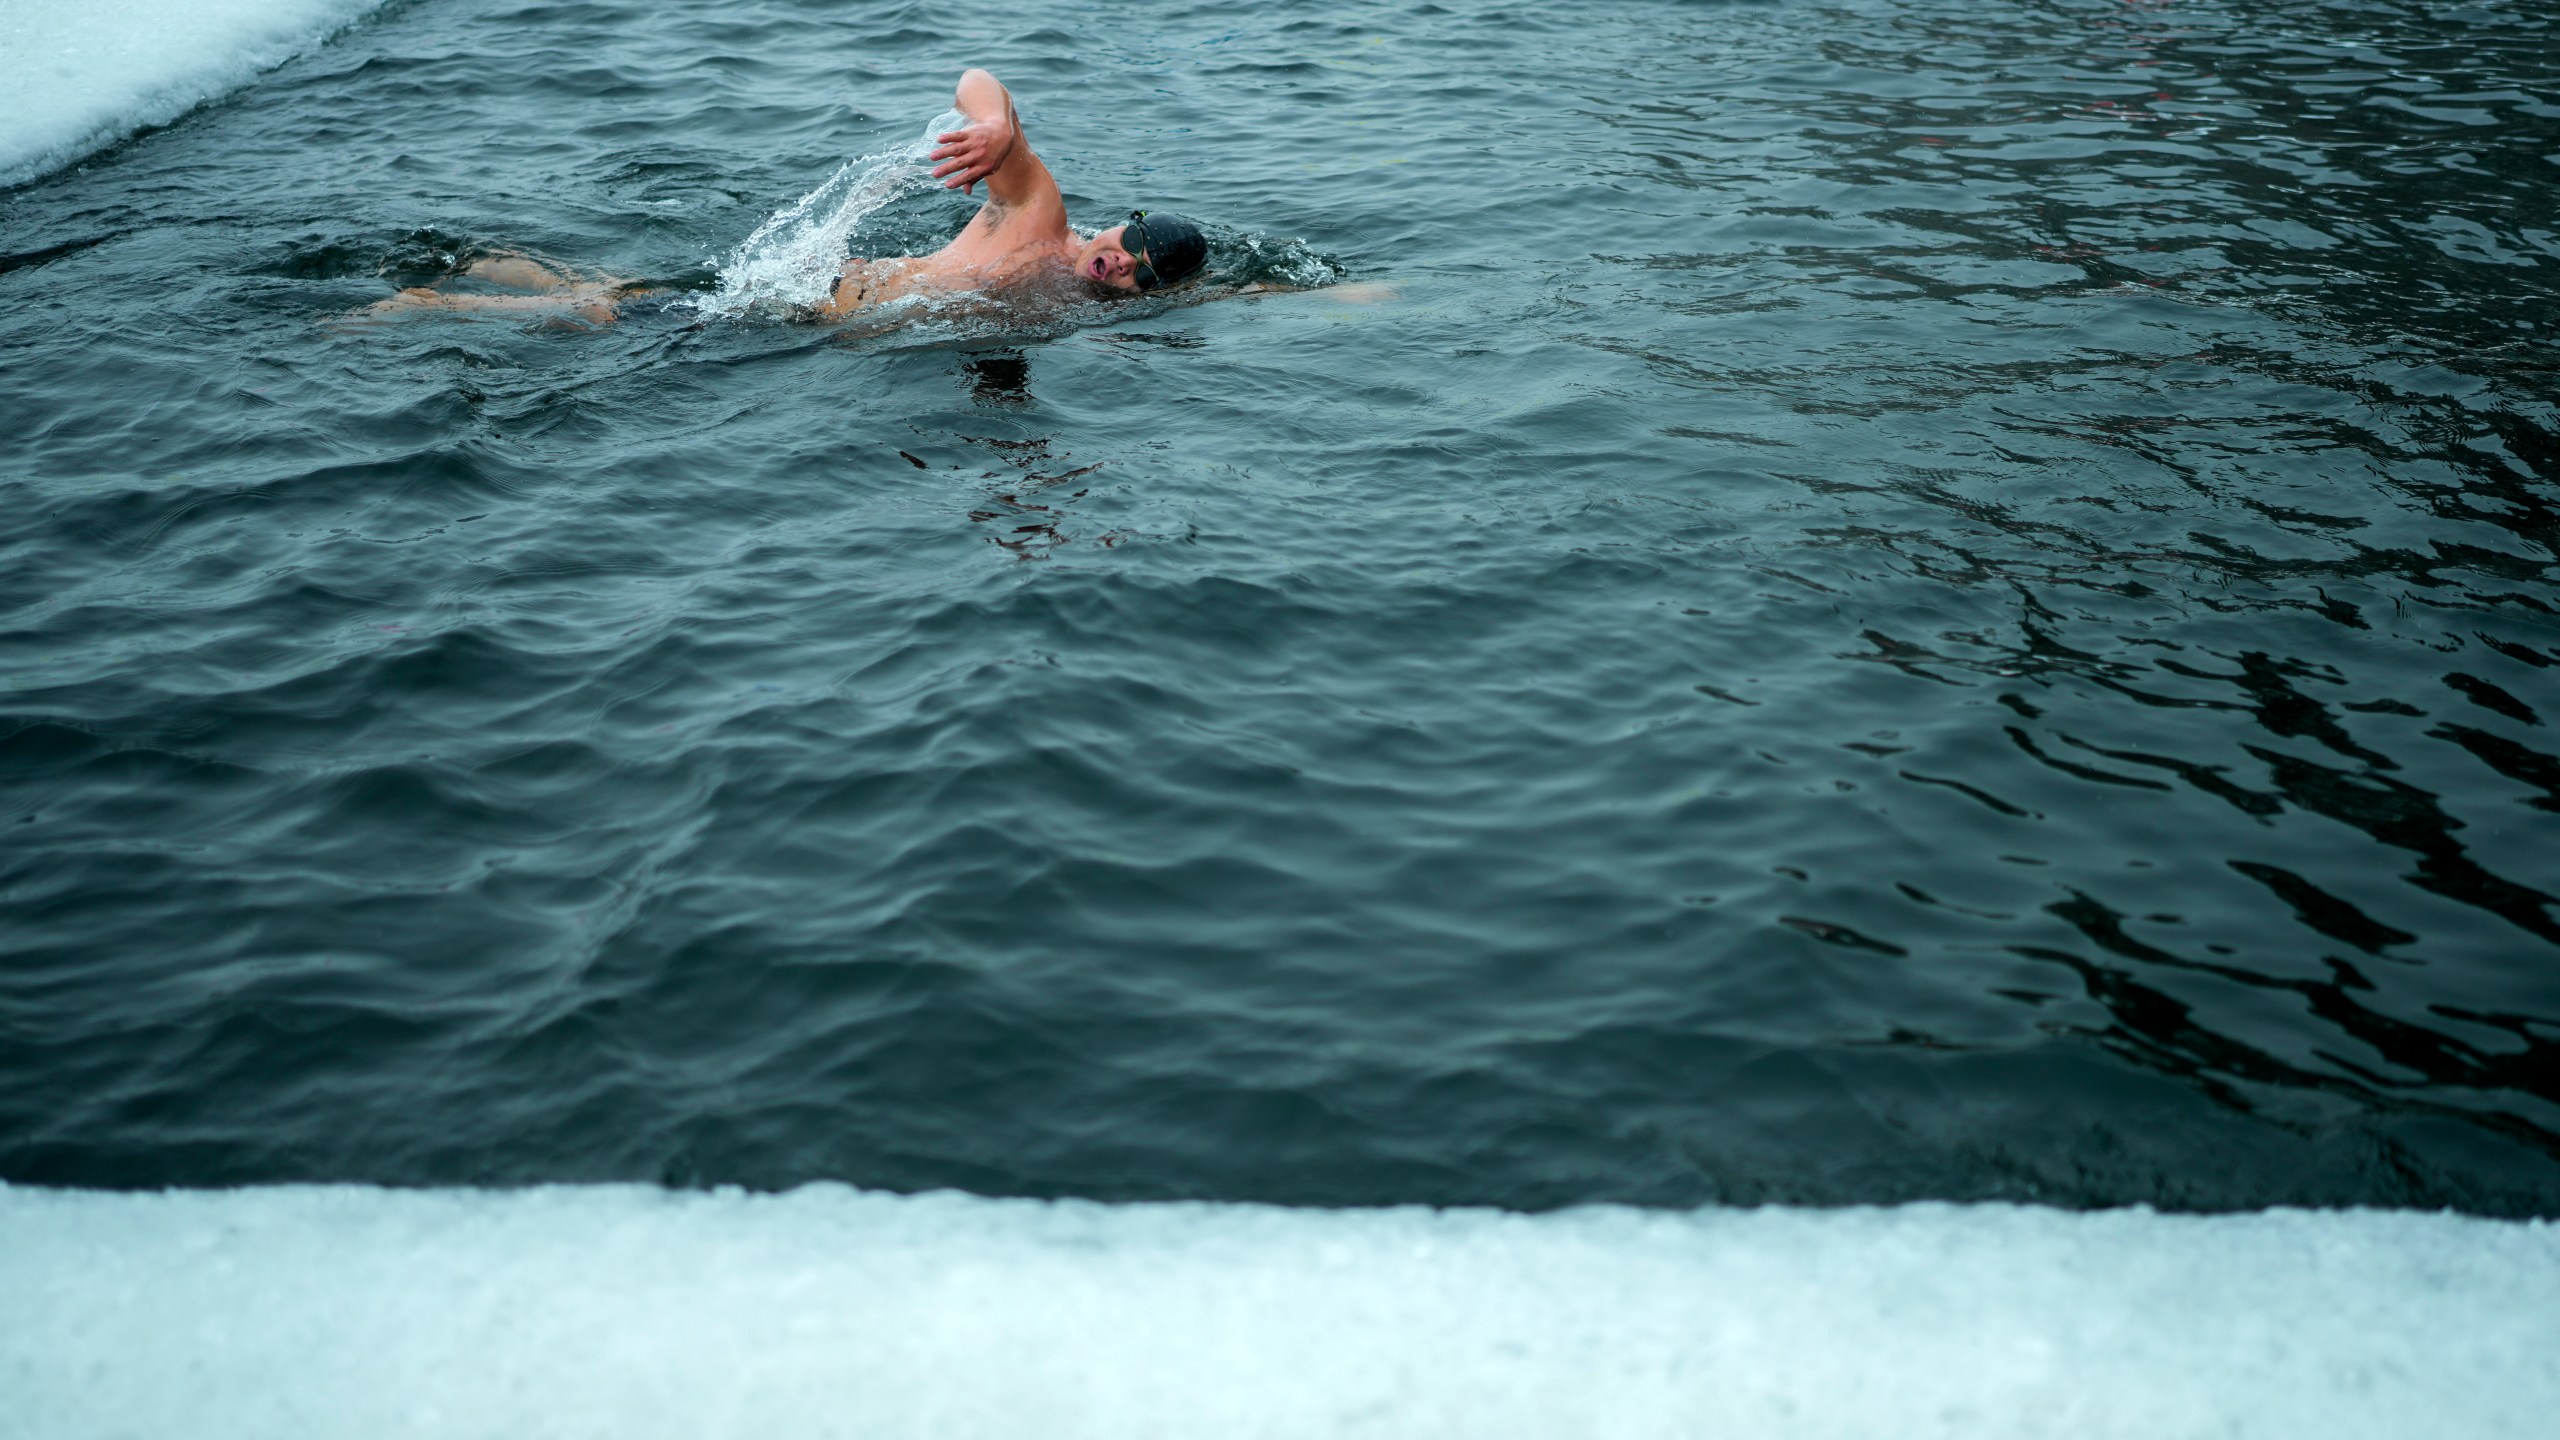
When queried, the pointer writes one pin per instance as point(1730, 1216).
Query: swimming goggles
point(1137, 227)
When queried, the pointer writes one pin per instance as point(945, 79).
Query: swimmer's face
point(1103, 261)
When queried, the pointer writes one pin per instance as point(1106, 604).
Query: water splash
point(794, 255)
point(1251, 258)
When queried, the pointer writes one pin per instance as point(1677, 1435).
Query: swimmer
point(1019, 240)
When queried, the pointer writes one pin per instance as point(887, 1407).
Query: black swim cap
point(1172, 246)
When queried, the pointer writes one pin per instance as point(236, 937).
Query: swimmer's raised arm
point(990, 147)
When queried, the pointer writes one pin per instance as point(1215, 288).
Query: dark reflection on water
point(1936, 599)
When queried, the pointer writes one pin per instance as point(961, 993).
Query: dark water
point(1944, 599)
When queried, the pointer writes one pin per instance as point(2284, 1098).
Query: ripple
point(1904, 601)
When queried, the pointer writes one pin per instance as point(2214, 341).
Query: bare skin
point(1019, 237)
point(549, 292)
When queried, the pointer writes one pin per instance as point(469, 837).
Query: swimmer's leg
point(590, 301)
point(518, 271)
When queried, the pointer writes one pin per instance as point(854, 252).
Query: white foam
point(76, 75)
point(632, 1312)
point(792, 259)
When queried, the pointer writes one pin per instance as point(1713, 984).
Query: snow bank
point(76, 75)
point(631, 1312)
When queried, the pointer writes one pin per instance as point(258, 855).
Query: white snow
point(634, 1312)
point(76, 75)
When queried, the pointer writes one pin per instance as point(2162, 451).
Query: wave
point(77, 78)
point(632, 1311)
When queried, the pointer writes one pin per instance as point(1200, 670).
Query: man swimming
point(1020, 236)
point(1019, 240)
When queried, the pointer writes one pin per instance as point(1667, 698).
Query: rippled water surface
point(1943, 599)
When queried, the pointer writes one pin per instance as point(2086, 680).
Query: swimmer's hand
point(971, 155)
point(978, 149)
point(1356, 293)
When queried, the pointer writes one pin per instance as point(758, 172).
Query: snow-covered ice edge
point(636, 1312)
point(79, 75)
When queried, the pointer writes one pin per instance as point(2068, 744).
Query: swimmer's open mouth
point(1093, 267)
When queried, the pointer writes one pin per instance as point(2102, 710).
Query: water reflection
point(1027, 506)
point(1000, 378)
